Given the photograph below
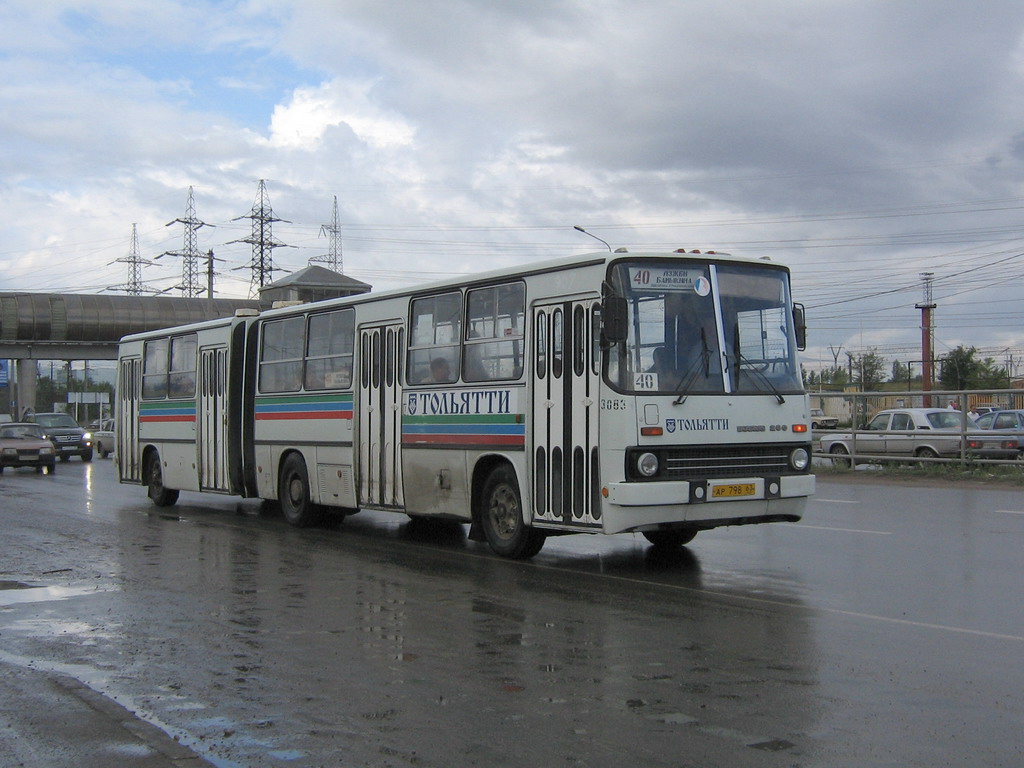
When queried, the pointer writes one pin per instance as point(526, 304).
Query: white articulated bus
point(605, 393)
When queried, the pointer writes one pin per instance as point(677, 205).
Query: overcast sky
point(860, 142)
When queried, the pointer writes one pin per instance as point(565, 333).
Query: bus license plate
point(736, 489)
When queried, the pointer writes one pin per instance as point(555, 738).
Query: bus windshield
point(704, 328)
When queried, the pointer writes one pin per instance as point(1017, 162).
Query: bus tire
point(158, 494)
point(670, 539)
point(293, 493)
point(501, 517)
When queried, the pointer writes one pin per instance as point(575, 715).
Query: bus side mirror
point(615, 315)
point(800, 327)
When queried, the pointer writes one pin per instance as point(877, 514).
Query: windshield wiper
point(758, 375)
point(699, 364)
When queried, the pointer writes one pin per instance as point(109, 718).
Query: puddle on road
point(19, 593)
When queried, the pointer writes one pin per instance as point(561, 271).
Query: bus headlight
point(647, 464)
point(799, 459)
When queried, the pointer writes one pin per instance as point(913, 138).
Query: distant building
point(312, 283)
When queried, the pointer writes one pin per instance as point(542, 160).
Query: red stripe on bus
point(284, 415)
point(190, 417)
point(464, 439)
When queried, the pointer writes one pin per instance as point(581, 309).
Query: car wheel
point(672, 539)
point(158, 494)
point(815, 425)
point(840, 456)
point(501, 518)
point(926, 453)
point(87, 456)
point(293, 493)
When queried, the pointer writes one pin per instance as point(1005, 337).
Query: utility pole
point(262, 240)
point(135, 262)
point(190, 287)
point(333, 257)
point(927, 338)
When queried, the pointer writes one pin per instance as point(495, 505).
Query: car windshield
point(704, 328)
point(21, 431)
point(945, 419)
point(55, 420)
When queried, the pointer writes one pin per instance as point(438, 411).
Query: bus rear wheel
point(158, 494)
point(501, 518)
point(293, 493)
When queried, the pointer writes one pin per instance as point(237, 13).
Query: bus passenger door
point(379, 416)
point(129, 391)
point(565, 413)
point(211, 419)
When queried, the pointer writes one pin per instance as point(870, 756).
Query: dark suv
point(66, 435)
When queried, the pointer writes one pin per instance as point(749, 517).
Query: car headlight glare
point(799, 459)
point(647, 464)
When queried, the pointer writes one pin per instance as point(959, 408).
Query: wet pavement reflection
point(382, 640)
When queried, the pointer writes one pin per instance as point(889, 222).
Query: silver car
point(925, 433)
point(997, 435)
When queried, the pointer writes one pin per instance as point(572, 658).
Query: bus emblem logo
point(670, 425)
point(412, 404)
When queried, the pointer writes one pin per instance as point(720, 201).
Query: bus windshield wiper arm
point(701, 363)
point(758, 375)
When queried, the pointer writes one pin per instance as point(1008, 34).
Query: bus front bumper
point(635, 506)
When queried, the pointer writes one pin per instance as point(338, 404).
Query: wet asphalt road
point(886, 629)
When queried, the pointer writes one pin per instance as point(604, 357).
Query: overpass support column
point(27, 376)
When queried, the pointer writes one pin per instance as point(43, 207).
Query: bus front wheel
point(670, 539)
point(502, 518)
point(293, 493)
point(158, 493)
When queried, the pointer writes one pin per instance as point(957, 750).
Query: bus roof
point(522, 270)
point(551, 265)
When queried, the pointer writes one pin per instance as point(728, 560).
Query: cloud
point(863, 142)
point(311, 112)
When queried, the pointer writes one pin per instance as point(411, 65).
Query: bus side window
point(281, 351)
point(329, 350)
point(435, 336)
point(154, 372)
point(182, 373)
point(494, 333)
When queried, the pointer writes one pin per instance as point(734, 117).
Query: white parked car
point(103, 437)
point(929, 433)
point(820, 421)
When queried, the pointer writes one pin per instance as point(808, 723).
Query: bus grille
point(726, 461)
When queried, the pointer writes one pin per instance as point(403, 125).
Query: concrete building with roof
point(312, 283)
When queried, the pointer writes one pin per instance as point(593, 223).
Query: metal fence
point(855, 409)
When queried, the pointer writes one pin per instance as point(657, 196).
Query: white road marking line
point(1010, 511)
point(844, 530)
point(834, 501)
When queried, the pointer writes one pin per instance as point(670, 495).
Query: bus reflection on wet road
point(884, 629)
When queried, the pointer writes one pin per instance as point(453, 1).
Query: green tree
point(962, 369)
point(900, 372)
point(869, 370)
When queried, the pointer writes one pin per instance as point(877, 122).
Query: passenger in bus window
point(664, 366)
point(440, 372)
